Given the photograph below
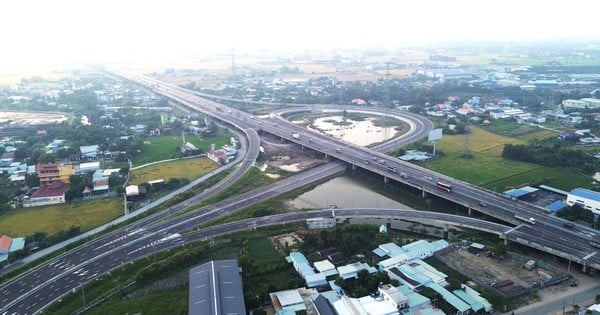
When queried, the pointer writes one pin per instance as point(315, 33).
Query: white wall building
point(587, 199)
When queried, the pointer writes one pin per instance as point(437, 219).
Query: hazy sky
point(46, 31)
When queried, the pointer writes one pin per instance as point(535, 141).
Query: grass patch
point(260, 248)
point(511, 128)
point(489, 169)
point(168, 147)
point(205, 143)
point(55, 218)
point(184, 168)
point(169, 302)
point(159, 148)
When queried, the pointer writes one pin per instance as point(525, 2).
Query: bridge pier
point(354, 167)
point(446, 228)
point(584, 268)
point(423, 194)
point(469, 211)
point(385, 179)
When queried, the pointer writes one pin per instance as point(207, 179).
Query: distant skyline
point(38, 32)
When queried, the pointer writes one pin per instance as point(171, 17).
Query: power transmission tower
point(387, 83)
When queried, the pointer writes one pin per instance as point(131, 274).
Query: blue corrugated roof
point(556, 206)
point(379, 252)
point(520, 192)
point(475, 305)
point(586, 193)
point(17, 244)
point(450, 298)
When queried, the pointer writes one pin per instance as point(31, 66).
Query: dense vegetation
point(551, 153)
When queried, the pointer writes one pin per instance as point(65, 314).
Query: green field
point(261, 249)
point(184, 168)
point(489, 169)
point(167, 147)
point(52, 219)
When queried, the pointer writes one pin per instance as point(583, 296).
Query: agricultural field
point(168, 147)
point(55, 218)
point(191, 169)
point(489, 169)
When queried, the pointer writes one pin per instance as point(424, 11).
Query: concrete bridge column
point(385, 179)
point(446, 227)
point(584, 268)
point(423, 194)
point(469, 211)
point(354, 167)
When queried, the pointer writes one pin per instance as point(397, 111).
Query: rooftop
point(586, 193)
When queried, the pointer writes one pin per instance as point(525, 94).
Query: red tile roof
point(55, 189)
point(46, 167)
point(5, 243)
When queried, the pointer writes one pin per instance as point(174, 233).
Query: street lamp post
point(82, 293)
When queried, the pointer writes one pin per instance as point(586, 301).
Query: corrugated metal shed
point(216, 289)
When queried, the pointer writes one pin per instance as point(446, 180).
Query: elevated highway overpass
point(575, 241)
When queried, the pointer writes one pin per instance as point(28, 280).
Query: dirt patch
point(280, 242)
point(507, 275)
point(289, 156)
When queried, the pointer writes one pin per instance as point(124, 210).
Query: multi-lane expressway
point(32, 291)
point(39, 287)
point(574, 242)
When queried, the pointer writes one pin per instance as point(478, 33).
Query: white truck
point(296, 136)
point(529, 220)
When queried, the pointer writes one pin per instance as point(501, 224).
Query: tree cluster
point(552, 156)
point(577, 213)
point(365, 284)
point(43, 240)
point(349, 239)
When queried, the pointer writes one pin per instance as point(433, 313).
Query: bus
point(444, 186)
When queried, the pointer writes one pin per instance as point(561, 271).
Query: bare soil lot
point(507, 274)
point(288, 156)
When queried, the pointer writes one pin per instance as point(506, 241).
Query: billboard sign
point(435, 134)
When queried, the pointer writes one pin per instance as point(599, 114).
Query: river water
point(344, 192)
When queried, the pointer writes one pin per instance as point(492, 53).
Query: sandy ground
point(287, 156)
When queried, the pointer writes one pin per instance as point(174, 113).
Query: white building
point(583, 103)
point(587, 199)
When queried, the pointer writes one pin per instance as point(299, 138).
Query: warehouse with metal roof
point(216, 289)
point(585, 198)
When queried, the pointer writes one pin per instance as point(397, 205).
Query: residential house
point(89, 167)
point(50, 194)
point(89, 152)
point(47, 173)
point(55, 146)
point(135, 192)
point(100, 182)
point(9, 245)
point(189, 149)
point(218, 156)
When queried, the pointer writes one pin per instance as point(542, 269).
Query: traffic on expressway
point(473, 197)
point(32, 291)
